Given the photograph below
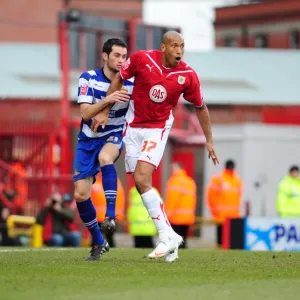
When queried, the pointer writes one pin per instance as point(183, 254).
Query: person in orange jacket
point(18, 186)
point(224, 196)
point(99, 201)
point(181, 199)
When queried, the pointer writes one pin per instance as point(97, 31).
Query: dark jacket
point(57, 221)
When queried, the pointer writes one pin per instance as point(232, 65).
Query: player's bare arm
point(204, 120)
point(102, 117)
point(89, 111)
point(116, 84)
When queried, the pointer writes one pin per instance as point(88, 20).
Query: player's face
point(173, 51)
point(116, 58)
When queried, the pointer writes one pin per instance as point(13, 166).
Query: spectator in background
point(56, 221)
point(6, 197)
point(224, 197)
point(69, 203)
point(99, 201)
point(181, 199)
point(5, 240)
point(141, 226)
point(288, 195)
point(18, 181)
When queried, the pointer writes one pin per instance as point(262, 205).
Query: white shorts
point(144, 144)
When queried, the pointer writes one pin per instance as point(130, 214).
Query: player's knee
point(105, 159)
point(80, 196)
point(142, 182)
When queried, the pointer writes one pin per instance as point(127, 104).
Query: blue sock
point(87, 214)
point(110, 185)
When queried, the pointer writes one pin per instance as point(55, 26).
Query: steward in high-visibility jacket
point(180, 201)
point(224, 196)
point(141, 226)
point(140, 223)
point(21, 187)
point(288, 196)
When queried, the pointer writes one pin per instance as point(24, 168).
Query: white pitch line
point(38, 249)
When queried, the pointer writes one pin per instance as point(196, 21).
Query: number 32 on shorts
point(148, 146)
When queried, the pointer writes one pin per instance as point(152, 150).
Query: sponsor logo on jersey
point(150, 68)
point(181, 79)
point(158, 93)
point(83, 90)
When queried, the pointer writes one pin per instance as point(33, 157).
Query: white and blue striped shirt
point(92, 88)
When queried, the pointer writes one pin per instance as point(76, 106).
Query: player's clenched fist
point(118, 97)
point(100, 119)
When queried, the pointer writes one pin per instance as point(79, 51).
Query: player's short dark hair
point(294, 168)
point(230, 165)
point(107, 47)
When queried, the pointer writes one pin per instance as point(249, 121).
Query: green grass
point(127, 274)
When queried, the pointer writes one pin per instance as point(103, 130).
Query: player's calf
point(107, 156)
point(87, 213)
point(143, 180)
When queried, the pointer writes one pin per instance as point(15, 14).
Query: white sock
point(155, 207)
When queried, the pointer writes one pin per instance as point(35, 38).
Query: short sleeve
point(193, 93)
point(85, 91)
point(129, 69)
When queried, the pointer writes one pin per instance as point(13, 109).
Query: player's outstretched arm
point(204, 120)
point(116, 84)
point(89, 111)
point(102, 117)
point(128, 70)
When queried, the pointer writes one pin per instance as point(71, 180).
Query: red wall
point(187, 159)
point(289, 115)
point(34, 21)
point(264, 13)
point(256, 12)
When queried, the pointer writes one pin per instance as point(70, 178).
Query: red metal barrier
point(13, 191)
point(65, 98)
point(40, 188)
point(29, 193)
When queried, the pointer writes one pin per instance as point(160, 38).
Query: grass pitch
point(128, 274)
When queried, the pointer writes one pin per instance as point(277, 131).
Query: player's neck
point(108, 73)
point(166, 64)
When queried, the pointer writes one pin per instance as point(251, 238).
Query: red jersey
point(157, 89)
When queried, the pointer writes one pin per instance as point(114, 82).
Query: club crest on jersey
point(181, 79)
point(158, 93)
point(83, 90)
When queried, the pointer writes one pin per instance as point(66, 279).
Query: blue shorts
point(86, 161)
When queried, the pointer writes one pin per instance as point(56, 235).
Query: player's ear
point(162, 47)
point(104, 56)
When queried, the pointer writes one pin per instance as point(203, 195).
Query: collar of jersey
point(102, 70)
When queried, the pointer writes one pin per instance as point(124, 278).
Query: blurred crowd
point(61, 226)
